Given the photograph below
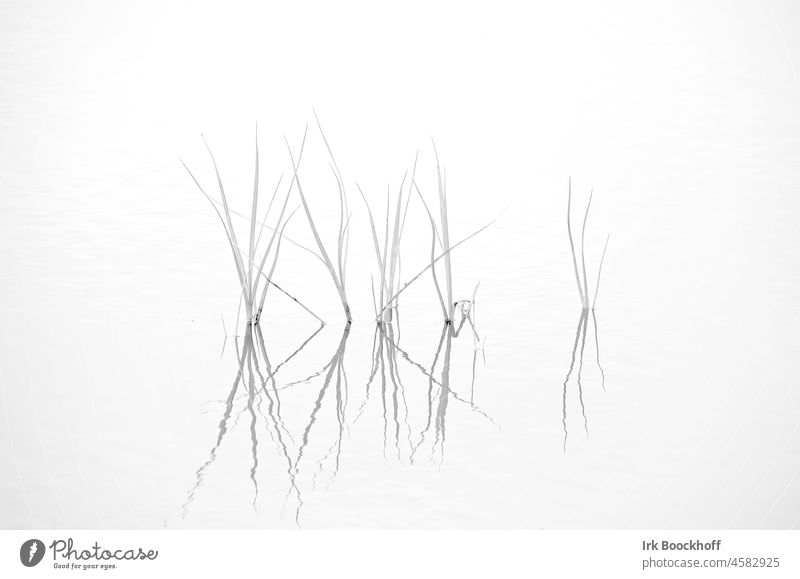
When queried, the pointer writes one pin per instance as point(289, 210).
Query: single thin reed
point(600, 270)
point(445, 237)
point(434, 239)
point(583, 257)
point(572, 246)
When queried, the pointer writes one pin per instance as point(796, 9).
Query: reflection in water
point(335, 368)
point(439, 392)
point(256, 395)
point(597, 352)
point(580, 337)
point(258, 388)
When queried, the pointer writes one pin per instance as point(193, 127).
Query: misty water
point(672, 405)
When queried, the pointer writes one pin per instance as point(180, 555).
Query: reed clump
point(254, 273)
point(581, 278)
point(441, 248)
point(388, 258)
point(255, 254)
point(338, 273)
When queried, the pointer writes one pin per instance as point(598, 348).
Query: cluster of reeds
point(339, 272)
point(255, 265)
point(441, 249)
point(441, 235)
point(388, 258)
point(580, 334)
point(250, 270)
point(582, 280)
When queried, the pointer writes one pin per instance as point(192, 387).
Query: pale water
point(116, 375)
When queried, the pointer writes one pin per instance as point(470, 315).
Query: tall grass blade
point(375, 243)
point(395, 253)
point(413, 184)
point(434, 237)
point(266, 215)
point(374, 302)
point(231, 243)
point(272, 269)
point(572, 245)
point(384, 289)
point(388, 258)
point(270, 228)
point(342, 249)
point(239, 264)
point(269, 281)
point(275, 233)
point(253, 213)
point(583, 259)
point(445, 235)
point(600, 271)
point(343, 243)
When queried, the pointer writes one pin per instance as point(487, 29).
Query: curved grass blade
point(426, 268)
point(583, 259)
point(324, 254)
point(600, 270)
point(572, 244)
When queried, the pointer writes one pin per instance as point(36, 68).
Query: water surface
point(672, 405)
